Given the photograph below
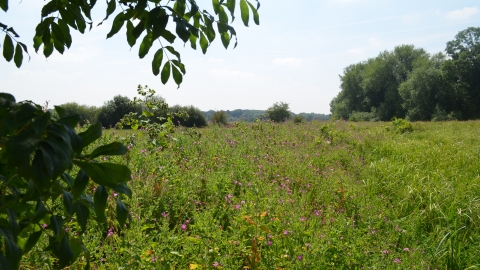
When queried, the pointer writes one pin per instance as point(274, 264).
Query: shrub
point(114, 110)
point(439, 115)
point(298, 119)
point(402, 125)
point(219, 117)
point(279, 112)
point(196, 118)
point(363, 117)
point(88, 114)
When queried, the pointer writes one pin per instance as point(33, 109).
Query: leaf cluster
point(44, 175)
point(146, 22)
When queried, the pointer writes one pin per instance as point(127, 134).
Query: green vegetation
point(410, 83)
point(219, 118)
point(240, 115)
point(333, 195)
point(279, 112)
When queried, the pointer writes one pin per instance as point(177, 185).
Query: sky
point(295, 55)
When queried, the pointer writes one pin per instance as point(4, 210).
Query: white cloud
point(462, 14)
point(355, 51)
point(288, 62)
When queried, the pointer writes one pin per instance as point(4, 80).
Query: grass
point(320, 195)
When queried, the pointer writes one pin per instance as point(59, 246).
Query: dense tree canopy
point(279, 112)
point(409, 82)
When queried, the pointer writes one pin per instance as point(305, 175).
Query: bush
point(439, 115)
point(298, 119)
point(114, 110)
point(279, 112)
point(402, 125)
point(219, 118)
point(363, 117)
point(88, 114)
point(196, 118)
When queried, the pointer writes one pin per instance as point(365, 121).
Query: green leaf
point(231, 7)
point(60, 246)
point(81, 182)
point(165, 73)
point(117, 24)
point(82, 213)
point(203, 43)
point(222, 28)
point(56, 225)
point(122, 188)
point(159, 25)
point(67, 202)
point(49, 8)
point(179, 65)
point(177, 76)
point(193, 41)
point(145, 45)
point(4, 5)
point(122, 213)
point(112, 149)
point(10, 29)
point(256, 18)
point(18, 56)
point(59, 46)
point(130, 38)
point(168, 36)
point(100, 203)
point(8, 48)
point(157, 62)
point(172, 51)
point(57, 31)
point(244, 12)
point(37, 41)
point(32, 241)
point(67, 38)
point(105, 174)
point(181, 29)
point(12, 251)
point(216, 6)
point(40, 211)
point(47, 49)
point(67, 179)
point(112, 4)
point(91, 134)
point(225, 39)
point(223, 17)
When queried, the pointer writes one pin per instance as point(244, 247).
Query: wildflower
point(285, 232)
point(44, 226)
point(302, 219)
point(165, 214)
point(67, 229)
point(406, 249)
point(187, 221)
point(300, 257)
point(215, 264)
point(307, 244)
point(110, 232)
point(396, 260)
point(102, 259)
point(184, 227)
point(269, 243)
point(384, 251)
point(114, 194)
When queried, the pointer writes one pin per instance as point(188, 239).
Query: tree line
point(410, 83)
point(112, 111)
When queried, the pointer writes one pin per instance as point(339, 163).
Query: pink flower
point(396, 260)
point(184, 227)
point(300, 257)
point(215, 264)
point(406, 249)
point(285, 232)
point(384, 251)
point(44, 226)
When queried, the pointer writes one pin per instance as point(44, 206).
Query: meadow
point(318, 195)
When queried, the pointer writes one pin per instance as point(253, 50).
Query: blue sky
point(296, 54)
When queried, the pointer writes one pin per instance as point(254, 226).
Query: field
point(320, 195)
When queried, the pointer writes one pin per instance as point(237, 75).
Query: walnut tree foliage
point(46, 167)
point(144, 21)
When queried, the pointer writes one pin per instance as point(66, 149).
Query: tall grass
point(318, 195)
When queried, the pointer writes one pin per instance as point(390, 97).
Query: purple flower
point(184, 227)
point(396, 260)
point(165, 214)
point(269, 243)
point(285, 232)
point(215, 264)
point(300, 257)
point(406, 249)
point(44, 226)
